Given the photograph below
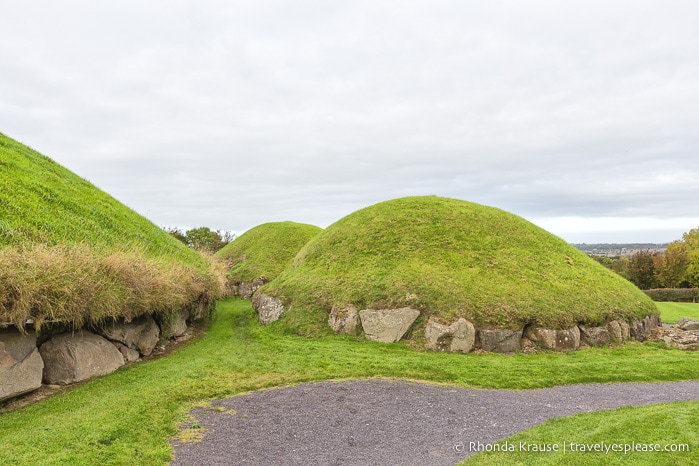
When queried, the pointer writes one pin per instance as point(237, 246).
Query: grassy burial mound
point(261, 253)
point(449, 260)
point(70, 252)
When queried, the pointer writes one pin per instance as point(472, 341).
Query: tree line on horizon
point(678, 267)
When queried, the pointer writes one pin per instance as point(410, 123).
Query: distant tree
point(618, 264)
point(604, 260)
point(226, 236)
point(691, 240)
point(202, 238)
point(671, 270)
point(621, 266)
point(642, 270)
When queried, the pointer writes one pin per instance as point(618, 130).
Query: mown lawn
point(673, 426)
point(128, 417)
point(670, 313)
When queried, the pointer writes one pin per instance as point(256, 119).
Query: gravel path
point(385, 422)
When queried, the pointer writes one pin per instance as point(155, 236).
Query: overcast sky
point(580, 116)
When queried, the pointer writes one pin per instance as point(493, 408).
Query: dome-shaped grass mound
point(265, 250)
point(449, 259)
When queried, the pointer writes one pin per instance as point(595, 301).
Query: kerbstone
point(557, 340)
point(344, 319)
point(141, 334)
point(72, 357)
point(21, 366)
point(387, 325)
point(458, 337)
point(269, 308)
point(501, 340)
point(594, 336)
point(175, 324)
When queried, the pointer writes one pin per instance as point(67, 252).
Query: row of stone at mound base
point(390, 325)
point(67, 357)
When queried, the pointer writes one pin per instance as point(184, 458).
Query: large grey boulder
point(344, 319)
point(618, 330)
point(686, 323)
point(594, 336)
point(141, 334)
point(21, 366)
point(687, 340)
point(72, 357)
point(500, 340)
point(387, 325)
point(174, 325)
point(268, 308)
point(458, 337)
point(557, 340)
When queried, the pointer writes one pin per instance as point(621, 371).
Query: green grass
point(127, 417)
point(265, 250)
point(71, 252)
point(670, 313)
point(42, 202)
point(666, 425)
point(450, 259)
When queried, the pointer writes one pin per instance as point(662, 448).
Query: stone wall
point(391, 325)
point(63, 356)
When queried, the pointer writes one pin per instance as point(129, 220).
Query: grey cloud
point(231, 114)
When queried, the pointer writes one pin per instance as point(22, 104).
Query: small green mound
point(449, 259)
point(71, 252)
point(264, 251)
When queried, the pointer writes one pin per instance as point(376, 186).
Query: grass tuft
point(76, 285)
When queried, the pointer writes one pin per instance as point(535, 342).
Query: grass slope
point(126, 417)
point(265, 250)
point(450, 259)
point(43, 202)
point(69, 251)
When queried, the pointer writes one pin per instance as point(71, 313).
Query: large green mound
point(43, 202)
point(450, 258)
point(69, 251)
point(264, 251)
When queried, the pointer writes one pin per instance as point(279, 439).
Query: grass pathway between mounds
point(127, 417)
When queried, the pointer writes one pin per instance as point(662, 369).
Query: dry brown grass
point(78, 285)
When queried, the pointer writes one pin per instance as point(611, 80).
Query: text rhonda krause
point(601, 447)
